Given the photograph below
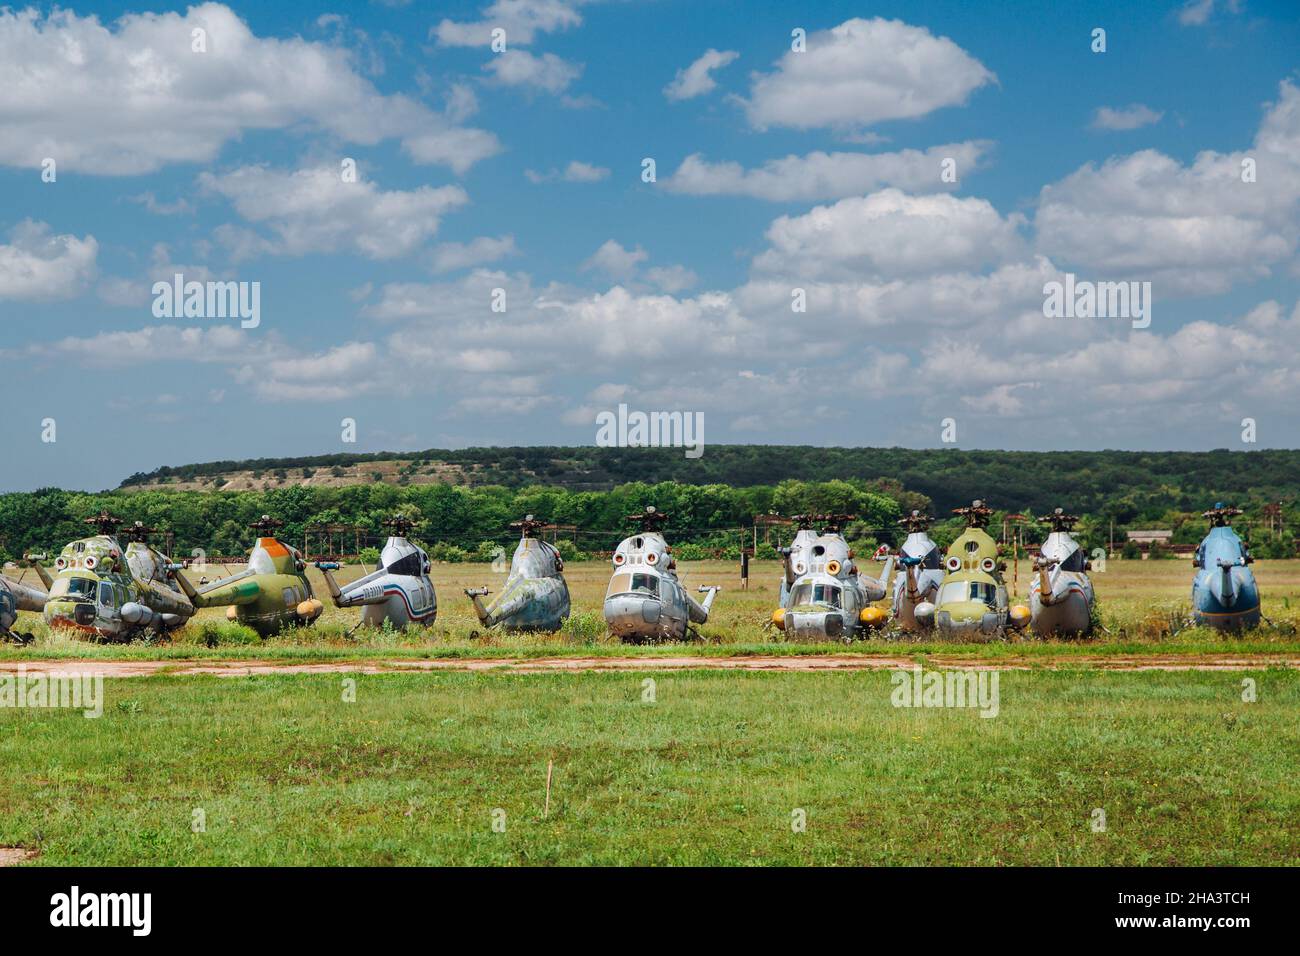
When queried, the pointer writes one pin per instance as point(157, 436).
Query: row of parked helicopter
point(103, 589)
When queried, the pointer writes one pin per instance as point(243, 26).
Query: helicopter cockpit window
point(106, 598)
point(954, 591)
point(73, 588)
point(648, 583)
point(1074, 562)
point(808, 593)
point(826, 594)
point(968, 591)
point(409, 564)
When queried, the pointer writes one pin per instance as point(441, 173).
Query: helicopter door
point(108, 599)
point(668, 592)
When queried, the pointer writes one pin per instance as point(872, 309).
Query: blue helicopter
point(1224, 593)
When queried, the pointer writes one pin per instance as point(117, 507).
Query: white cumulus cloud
point(615, 261)
point(522, 20)
point(133, 96)
point(1188, 229)
point(314, 210)
point(547, 72)
point(863, 72)
point(36, 264)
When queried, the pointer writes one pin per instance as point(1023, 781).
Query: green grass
point(288, 773)
point(1191, 645)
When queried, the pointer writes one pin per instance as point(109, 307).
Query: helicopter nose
point(814, 624)
point(968, 621)
point(630, 612)
point(957, 623)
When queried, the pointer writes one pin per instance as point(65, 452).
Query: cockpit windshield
point(409, 564)
point(638, 583)
point(73, 588)
point(955, 591)
point(809, 593)
point(646, 583)
point(1074, 561)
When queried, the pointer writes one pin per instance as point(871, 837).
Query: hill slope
point(1087, 481)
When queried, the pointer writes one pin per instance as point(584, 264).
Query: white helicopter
point(646, 600)
point(399, 591)
point(1060, 595)
point(823, 593)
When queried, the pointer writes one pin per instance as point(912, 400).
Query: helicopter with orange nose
point(272, 593)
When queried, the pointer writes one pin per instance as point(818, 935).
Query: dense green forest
point(445, 515)
point(458, 522)
point(1122, 485)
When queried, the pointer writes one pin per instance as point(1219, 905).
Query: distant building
point(1148, 538)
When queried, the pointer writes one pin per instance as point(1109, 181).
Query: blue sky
point(522, 171)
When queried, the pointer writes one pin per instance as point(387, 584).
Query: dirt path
point(829, 662)
point(13, 855)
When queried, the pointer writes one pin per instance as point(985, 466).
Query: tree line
point(459, 521)
point(453, 516)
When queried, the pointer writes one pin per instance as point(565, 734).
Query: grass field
point(712, 772)
point(285, 771)
point(1144, 606)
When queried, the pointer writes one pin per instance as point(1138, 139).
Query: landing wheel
point(473, 635)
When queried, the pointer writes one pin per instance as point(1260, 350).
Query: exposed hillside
point(392, 471)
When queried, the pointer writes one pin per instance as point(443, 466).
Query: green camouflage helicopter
point(272, 593)
point(103, 589)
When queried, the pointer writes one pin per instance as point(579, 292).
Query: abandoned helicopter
point(103, 589)
point(646, 600)
point(535, 596)
point(1224, 593)
point(1060, 595)
point(823, 594)
point(270, 594)
point(14, 597)
point(972, 598)
point(920, 571)
point(399, 591)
